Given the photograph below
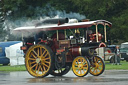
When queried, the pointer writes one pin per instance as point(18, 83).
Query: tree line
point(115, 11)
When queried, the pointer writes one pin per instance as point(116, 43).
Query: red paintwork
point(75, 51)
point(60, 36)
point(30, 43)
point(69, 57)
point(23, 47)
point(109, 51)
point(102, 45)
point(43, 41)
point(55, 45)
point(60, 50)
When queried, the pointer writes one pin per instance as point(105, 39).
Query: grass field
point(108, 66)
point(13, 68)
point(123, 66)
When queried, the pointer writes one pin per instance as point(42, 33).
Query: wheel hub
point(80, 66)
point(38, 60)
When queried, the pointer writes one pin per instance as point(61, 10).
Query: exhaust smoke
point(10, 22)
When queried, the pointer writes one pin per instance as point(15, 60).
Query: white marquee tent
point(15, 55)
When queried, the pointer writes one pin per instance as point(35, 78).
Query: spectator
point(117, 55)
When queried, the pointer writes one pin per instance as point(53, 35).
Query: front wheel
point(39, 60)
point(97, 66)
point(80, 66)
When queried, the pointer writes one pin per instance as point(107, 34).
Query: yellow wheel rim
point(97, 66)
point(38, 61)
point(80, 66)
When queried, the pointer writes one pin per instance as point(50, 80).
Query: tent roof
point(7, 44)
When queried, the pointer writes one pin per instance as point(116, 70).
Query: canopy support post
point(96, 33)
point(57, 35)
point(105, 34)
point(65, 33)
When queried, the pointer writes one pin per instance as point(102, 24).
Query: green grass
point(108, 66)
point(12, 68)
point(123, 66)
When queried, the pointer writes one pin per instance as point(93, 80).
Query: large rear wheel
point(61, 71)
point(97, 66)
point(39, 60)
point(80, 66)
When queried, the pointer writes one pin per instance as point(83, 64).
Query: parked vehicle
point(124, 51)
point(53, 51)
point(112, 52)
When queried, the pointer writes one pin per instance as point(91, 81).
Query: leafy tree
point(115, 11)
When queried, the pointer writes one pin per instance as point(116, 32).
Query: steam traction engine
point(56, 54)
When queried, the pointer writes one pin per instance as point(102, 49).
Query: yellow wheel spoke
point(36, 67)
point(45, 65)
point(83, 62)
point(100, 62)
point(33, 55)
point(80, 72)
point(32, 59)
point(43, 53)
point(35, 52)
point(33, 66)
point(85, 68)
point(96, 71)
point(100, 65)
point(99, 69)
point(44, 68)
point(33, 62)
point(77, 62)
point(39, 69)
point(85, 65)
point(46, 62)
point(45, 58)
point(75, 68)
point(38, 53)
